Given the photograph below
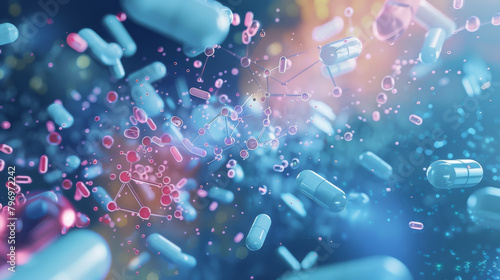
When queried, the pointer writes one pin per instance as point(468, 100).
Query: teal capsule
point(102, 197)
point(120, 34)
point(309, 260)
point(60, 115)
point(321, 191)
point(221, 195)
point(258, 232)
point(433, 43)
point(294, 203)
point(73, 162)
point(447, 174)
point(188, 211)
point(159, 245)
point(290, 260)
point(148, 99)
point(148, 74)
point(484, 207)
point(340, 51)
point(373, 163)
point(8, 33)
point(135, 263)
point(92, 171)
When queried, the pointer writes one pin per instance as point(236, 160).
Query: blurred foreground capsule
point(373, 163)
point(294, 203)
point(197, 24)
point(394, 19)
point(120, 34)
point(258, 232)
point(80, 255)
point(340, 51)
point(148, 99)
point(148, 74)
point(484, 207)
point(309, 260)
point(321, 191)
point(372, 268)
point(8, 33)
point(292, 262)
point(163, 247)
point(447, 174)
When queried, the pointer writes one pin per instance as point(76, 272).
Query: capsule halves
point(340, 51)
point(258, 232)
point(321, 191)
point(446, 174)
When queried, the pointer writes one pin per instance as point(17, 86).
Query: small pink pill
point(76, 42)
point(248, 19)
point(253, 28)
point(416, 119)
point(181, 183)
point(43, 166)
point(23, 179)
point(133, 120)
point(416, 225)
point(236, 19)
point(238, 237)
point(176, 121)
point(2, 164)
point(213, 206)
point(50, 126)
point(83, 189)
point(151, 124)
point(140, 115)
point(282, 64)
point(376, 116)
point(199, 93)
point(6, 149)
point(176, 154)
point(245, 37)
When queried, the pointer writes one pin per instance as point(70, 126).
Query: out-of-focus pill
point(76, 42)
point(92, 171)
point(373, 163)
point(151, 124)
point(447, 174)
point(248, 19)
point(290, 260)
point(192, 149)
point(373, 268)
point(73, 162)
point(339, 69)
point(309, 260)
point(175, 152)
point(188, 211)
point(79, 255)
point(393, 19)
point(416, 225)
point(136, 262)
point(102, 197)
point(236, 19)
point(340, 51)
point(253, 28)
point(433, 43)
point(328, 30)
point(483, 207)
point(43, 166)
point(472, 24)
point(457, 4)
point(429, 17)
point(221, 195)
point(258, 232)
point(205, 95)
point(282, 64)
point(159, 245)
point(6, 149)
point(415, 119)
point(294, 203)
point(321, 191)
point(148, 99)
point(8, 33)
point(148, 74)
point(106, 53)
point(175, 19)
point(120, 34)
point(495, 19)
point(60, 116)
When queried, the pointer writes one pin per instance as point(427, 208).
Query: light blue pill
point(102, 197)
point(188, 211)
point(372, 268)
point(120, 34)
point(41, 205)
point(433, 43)
point(138, 261)
point(183, 91)
point(92, 171)
point(148, 74)
point(321, 191)
point(309, 260)
point(8, 33)
point(289, 259)
point(376, 165)
point(340, 51)
point(477, 76)
point(191, 184)
point(221, 195)
point(484, 207)
point(106, 53)
point(447, 174)
point(430, 17)
point(148, 99)
point(79, 255)
point(239, 174)
point(294, 203)
point(194, 23)
point(117, 70)
point(158, 244)
point(60, 116)
point(258, 232)
point(73, 162)
point(53, 176)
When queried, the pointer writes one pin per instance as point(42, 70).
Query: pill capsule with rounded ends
point(193, 149)
point(188, 211)
point(373, 163)
point(148, 74)
point(120, 34)
point(102, 197)
point(221, 195)
point(76, 42)
point(148, 99)
point(433, 43)
point(8, 33)
point(282, 64)
point(393, 19)
point(429, 17)
point(175, 152)
point(291, 261)
point(258, 232)
point(43, 166)
point(205, 95)
point(79, 255)
point(372, 268)
point(321, 191)
point(328, 30)
point(60, 116)
point(159, 245)
point(309, 260)
point(483, 207)
point(447, 174)
point(294, 203)
point(106, 53)
point(340, 51)
point(416, 225)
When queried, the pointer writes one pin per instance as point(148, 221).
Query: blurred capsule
point(294, 203)
point(290, 260)
point(429, 17)
point(309, 260)
point(483, 207)
point(447, 174)
point(373, 163)
point(416, 225)
point(149, 74)
point(163, 247)
point(415, 119)
point(60, 116)
point(321, 191)
point(328, 30)
point(148, 99)
point(138, 261)
point(76, 42)
point(221, 195)
point(433, 43)
point(102, 197)
point(472, 24)
point(258, 232)
point(120, 34)
point(8, 33)
point(394, 18)
point(340, 51)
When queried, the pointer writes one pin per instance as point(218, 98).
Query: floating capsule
point(373, 163)
point(472, 24)
point(394, 18)
point(433, 43)
point(253, 28)
point(292, 262)
point(429, 17)
point(373, 268)
point(196, 24)
point(457, 4)
point(102, 197)
point(148, 74)
point(205, 95)
point(120, 34)
point(148, 99)
point(416, 225)
point(188, 211)
point(60, 116)
point(79, 255)
point(6, 149)
point(163, 247)
point(309, 260)
point(282, 64)
point(221, 195)
point(294, 203)
point(76, 42)
point(236, 19)
point(131, 133)
point(22, 179)
point(258, 232)
point(495, 19)
point(8, 33)
point(482, 206)
point(92, 171)
point(248, 19)
point(43, 166)
point(321, 191)
point(176, 121)
point(387, 83)
point(82, 188)
point(340, 51)
point(415, 119)
point(175, 152)
point(73, 162)
point(328, 30)
point(140, 115)
point(447, 174)
point(138, 261)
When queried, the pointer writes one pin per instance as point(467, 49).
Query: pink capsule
point(2, 164)
point(213, 206)
point(131, 133)
point(248, 19)
point(415, 119)
point(76, 42)
point(238, 237)
point(23, 179)
point(457, 4)
point(253, 28)
point(43, 166)
point(6, 149)
point(176, 154)
point(282, 64)
point(176, 121)
point(245, 37)
point(133, 120)
point(140, 115)
point(416, 225)
point(151, 124)
point(181, 183)
point(50, 126)
point(376, 116)
point(199, 93)
point(236, 19)
point(80, 186)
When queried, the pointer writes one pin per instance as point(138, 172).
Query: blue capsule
point(102, 197)
point(372, 268)
point(477, 77)
point(292, 262)
point(148, 74)
point(190, 184)
point(138, 261)
point(159, 245)
point(195, 23)
point(373, 163)
point(433, 43)
point(258, 232)
point(430, 17)
point(73, 162)
point(120, 34)
point(483, 207)
point(41, 205)
point(188, 211)
point(294, 203)
point(321, 191)
point(309, 260)
point(447, 174)
point(340, 51)
point(79, 255)
point(148, 99)
point(92, 171)
point(8, 33)
point(60, 116)
point(221, 195)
